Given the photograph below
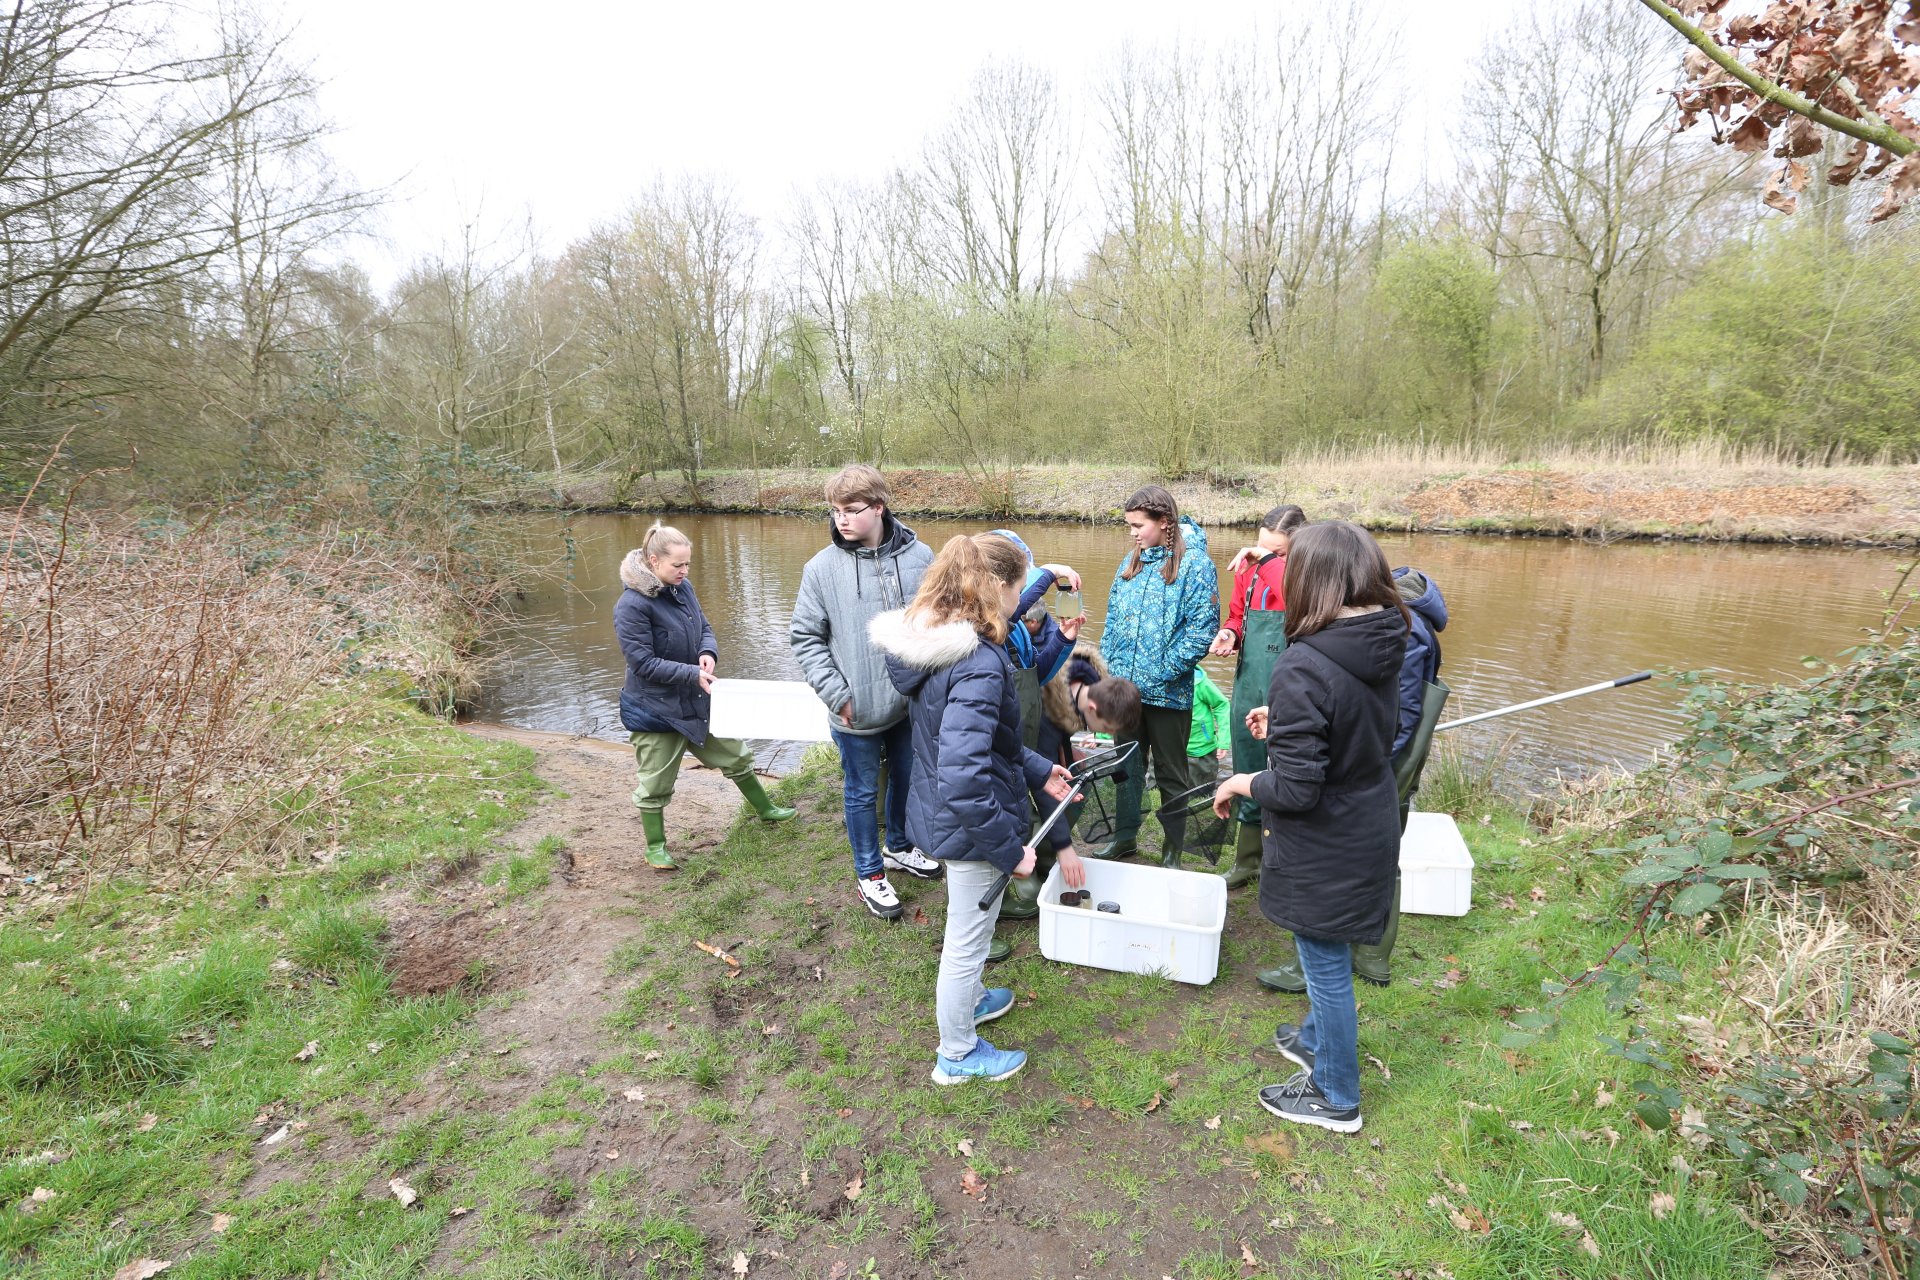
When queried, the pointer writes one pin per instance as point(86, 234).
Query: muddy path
point(781, 1109)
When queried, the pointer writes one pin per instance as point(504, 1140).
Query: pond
point(1530, 616)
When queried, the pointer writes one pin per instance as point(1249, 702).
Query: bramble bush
point(1788, 818)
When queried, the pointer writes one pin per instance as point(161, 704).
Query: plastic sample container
point(778, 710)
point(1436, 869)
point(1169, 921)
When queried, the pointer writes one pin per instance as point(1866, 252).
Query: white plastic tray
point(781, 710)
point(1169, 921)
point(1436, 869)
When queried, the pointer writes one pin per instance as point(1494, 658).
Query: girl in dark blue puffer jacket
point(967, 802)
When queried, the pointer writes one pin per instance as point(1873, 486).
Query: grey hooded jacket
point(843, 588)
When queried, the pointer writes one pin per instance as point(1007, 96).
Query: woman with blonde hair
point(967, 803)
point(665, 703)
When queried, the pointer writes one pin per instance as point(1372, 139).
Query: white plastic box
point(771, 710)
point(1169, 921)
point(1436, 869)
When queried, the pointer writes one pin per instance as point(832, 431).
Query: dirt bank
point(1605, 498)
point(578, 982)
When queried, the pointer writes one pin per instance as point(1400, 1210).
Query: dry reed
point(149, 672)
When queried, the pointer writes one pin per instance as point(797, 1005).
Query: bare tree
point(111, 133)
point(1300, 155)
point(1596, 198)
point(993, 187)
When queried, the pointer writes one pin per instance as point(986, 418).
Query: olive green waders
point(1023, 893)
point(1162, 736)
point(1260, 647)
point(657, 756)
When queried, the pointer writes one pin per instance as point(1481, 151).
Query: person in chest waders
point(1256, 629)
point(1037, 648)
point(671, 655)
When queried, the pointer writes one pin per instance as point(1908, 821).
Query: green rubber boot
point(1023, 896)
point(1372, 962)
point(1285, 976)
point(998, 950)
point(1127, 799)
point(1173, 840)
point(1246, 856)
point(762, 803)
point(654, 823)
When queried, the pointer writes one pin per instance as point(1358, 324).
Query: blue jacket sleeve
point(1296, 743)
point(1052, 651)
point(1036, 766)
point(635, 634)
point(707, 644)
point(1114, 646)
point(1199, 619)
point(962, 778)
point(1412, 682)
point(1032, 595)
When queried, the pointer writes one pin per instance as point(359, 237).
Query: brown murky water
point(1530, 616)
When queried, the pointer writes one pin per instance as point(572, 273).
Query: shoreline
point(1845, 507)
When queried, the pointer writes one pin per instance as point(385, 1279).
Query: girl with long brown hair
point(1161, 616)
point(1330, 820)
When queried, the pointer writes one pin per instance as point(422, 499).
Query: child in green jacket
point(1207, 742)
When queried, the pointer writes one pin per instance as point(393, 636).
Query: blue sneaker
point(984, 1063)
point(996, 1002)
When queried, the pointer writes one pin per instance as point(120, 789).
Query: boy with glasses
point(873, 564)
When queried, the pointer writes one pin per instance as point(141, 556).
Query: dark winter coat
point(967, 800)
point(662, 633)
point(1330, 817)
point(1421, 666)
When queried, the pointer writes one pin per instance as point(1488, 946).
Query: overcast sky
point(562, 109)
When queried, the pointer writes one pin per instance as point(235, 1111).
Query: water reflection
point(1529, 617)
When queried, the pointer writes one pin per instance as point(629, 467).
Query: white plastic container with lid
point(1169, 921)
point(1436, 868)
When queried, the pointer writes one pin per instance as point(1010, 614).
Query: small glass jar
point(1064, 605)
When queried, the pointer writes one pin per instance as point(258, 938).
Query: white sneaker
point(879, 897)
point(913, 862)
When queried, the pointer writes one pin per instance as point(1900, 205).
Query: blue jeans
point(1331, 1029)
point(861, 756)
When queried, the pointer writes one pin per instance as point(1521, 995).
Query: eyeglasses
point(847, 513)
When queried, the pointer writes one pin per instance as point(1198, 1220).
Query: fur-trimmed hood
point(921, 647)
point(635, 575)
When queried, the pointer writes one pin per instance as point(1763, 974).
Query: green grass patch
point(143, 1034)
point(1518, 1146)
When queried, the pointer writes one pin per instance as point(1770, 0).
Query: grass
point(1456, 1124)
point(141, 1042)
point(143, 1034)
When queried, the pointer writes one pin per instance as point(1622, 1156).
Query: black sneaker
point(1301, 1101)
point(1286, 1038)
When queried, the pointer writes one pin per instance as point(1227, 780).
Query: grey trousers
point(963, 955)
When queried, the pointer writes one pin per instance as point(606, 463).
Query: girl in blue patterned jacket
point(1162, 615)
